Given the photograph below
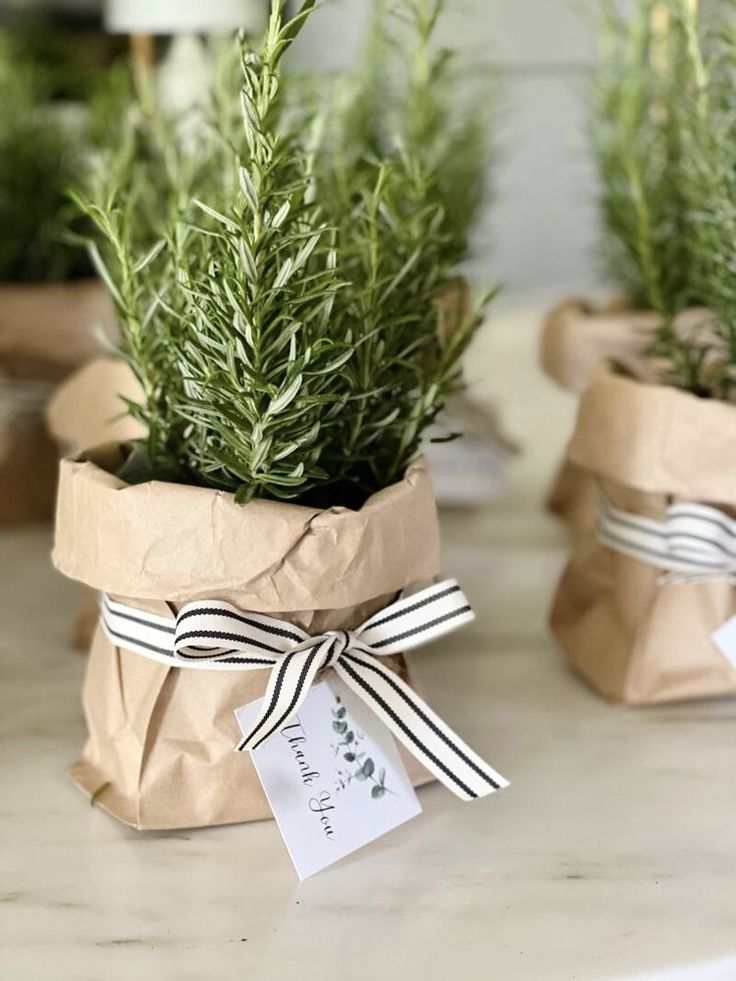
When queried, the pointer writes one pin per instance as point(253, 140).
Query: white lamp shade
point(183, 16)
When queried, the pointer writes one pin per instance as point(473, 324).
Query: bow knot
point(217, 636)
point(339, 641)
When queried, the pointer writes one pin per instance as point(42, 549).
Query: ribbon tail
point(287, 689)
point(423, 733)
point(417, 619)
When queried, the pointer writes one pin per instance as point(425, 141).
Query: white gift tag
point(333, 777)
point(725, 640)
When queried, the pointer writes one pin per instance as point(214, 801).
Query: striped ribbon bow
point(216, 636)
point(695, 542)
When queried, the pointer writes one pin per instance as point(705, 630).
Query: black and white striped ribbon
point(695, 542)
point(216, 636)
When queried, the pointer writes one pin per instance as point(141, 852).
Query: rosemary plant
point(666, 147)
point(709, 179)
point(643, 91)
point(288, 347)
point(412, 98)
point(445, 124)
point(404, 168)
point(137, 199)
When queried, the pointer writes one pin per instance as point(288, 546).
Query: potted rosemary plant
point(50, 301)
point(648, 587)
point(636, 134)
point(290, 356)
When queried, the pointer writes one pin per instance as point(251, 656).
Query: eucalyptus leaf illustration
point(350, 742)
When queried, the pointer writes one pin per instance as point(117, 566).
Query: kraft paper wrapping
point(46, 331)
point(576, 340)
point(88, 410)
point(630, 637)
point(161, 739)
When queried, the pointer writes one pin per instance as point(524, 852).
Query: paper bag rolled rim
point(577, 337)
point(657, 438)
point(54, 324)
point(162, 541)
point(88, 409)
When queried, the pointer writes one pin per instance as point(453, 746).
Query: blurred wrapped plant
point(413, 100)
point(708, 170)
point(645, 91)
point(284, 321)
point(638, 147)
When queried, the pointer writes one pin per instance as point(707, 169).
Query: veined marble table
point(611, 856)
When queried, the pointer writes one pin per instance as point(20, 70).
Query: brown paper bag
point(46, 331)
point(49, 329)
point(576, 340)
point(633, 638)
point(87, 410)
point(161, 739)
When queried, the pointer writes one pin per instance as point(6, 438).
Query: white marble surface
point(612, 856)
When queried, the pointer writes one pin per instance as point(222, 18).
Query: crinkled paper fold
point(577, 342)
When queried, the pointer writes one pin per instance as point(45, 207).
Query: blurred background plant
point(644, 79)
point(415, 99)
point(708, 172)
point(54, 107)
point(663, 138)
point(404, 167)
point(637, 142)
